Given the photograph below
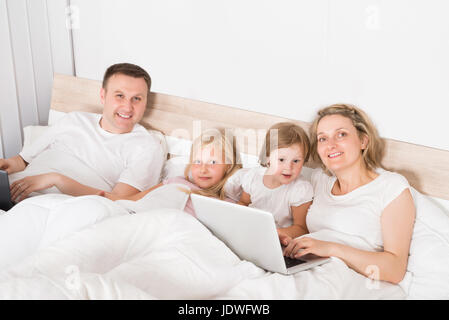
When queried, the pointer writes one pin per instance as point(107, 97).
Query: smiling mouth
point(287, 175)
point(335, 155)
point(124, 116)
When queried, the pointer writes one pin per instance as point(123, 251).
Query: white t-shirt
point(279, 200)
point(357, 213)
point(77, 147)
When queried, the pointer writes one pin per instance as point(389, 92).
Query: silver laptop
point(250, 233)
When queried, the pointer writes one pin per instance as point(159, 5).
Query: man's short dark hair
point(128, 69)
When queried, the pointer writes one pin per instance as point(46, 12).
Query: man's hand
point(20, 189)
point(12, 165)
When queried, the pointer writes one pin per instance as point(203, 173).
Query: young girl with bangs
point(278, 187)
point(213, 159)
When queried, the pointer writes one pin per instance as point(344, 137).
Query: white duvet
point(160, 253)
point(167, 254)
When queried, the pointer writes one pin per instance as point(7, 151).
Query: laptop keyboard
point(289, 262)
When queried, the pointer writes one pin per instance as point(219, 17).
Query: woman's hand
point(20, 189)
point(302, 246)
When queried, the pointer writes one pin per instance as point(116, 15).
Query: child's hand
point(108, 195)
point(283, 238)
point(101, 193)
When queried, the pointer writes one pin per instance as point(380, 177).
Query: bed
point(93, 248)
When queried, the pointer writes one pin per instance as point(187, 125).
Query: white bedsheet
point(39, 221)
point(61, 247)
point(167, 254)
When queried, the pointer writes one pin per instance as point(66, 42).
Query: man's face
point(124, 100)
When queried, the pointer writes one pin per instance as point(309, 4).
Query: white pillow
point(428, 265)
point(32, 133)
point(177, 146)
point(174, 167)
point(54, 116)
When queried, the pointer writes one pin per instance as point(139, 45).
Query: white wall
point(9, 111)
point(35, 43)
point(284, 57)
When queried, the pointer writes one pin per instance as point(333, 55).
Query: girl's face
point(285, 164)
point(339, 145)
point(208, 167)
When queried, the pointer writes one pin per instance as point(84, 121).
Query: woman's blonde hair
point(374, 151)
point(284, 135)
point(224, 142)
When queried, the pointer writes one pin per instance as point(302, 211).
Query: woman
point(353, 196)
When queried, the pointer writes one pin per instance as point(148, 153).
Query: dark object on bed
point(5, 194)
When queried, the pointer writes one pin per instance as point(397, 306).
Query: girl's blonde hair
point(374, 151)
point(224, 142)
point(284, 135)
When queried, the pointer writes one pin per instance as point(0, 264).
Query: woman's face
point(208, 167)
point(338, 143)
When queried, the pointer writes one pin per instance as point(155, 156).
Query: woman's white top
point(357, 213)
point(279, 200)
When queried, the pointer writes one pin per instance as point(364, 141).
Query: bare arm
point(72, 187)
point(12, 165)
point(134, 197)
point(20, 189)
point(245, 199)
point(389, 265)
point(299, 227)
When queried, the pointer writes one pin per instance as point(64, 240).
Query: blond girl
point(213, 159)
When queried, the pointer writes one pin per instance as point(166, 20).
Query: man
point(86, 153)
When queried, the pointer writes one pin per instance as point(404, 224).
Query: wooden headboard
point(427, 169)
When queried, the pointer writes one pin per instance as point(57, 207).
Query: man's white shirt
point(77, 147)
